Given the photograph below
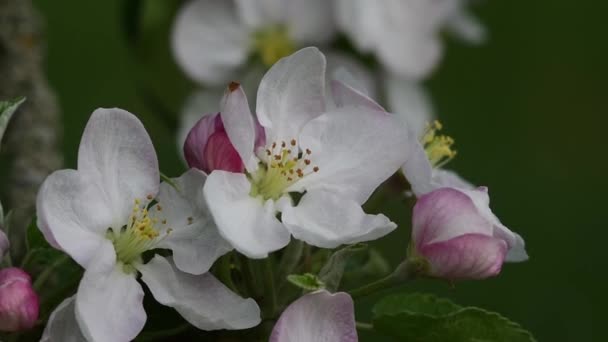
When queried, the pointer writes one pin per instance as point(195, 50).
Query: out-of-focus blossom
point(337, 157)
point(405, 34)
point(213, 38)
point(320, 317)
point(460, 237)
point(4, 243)
point(19, 304)
point(110, 211)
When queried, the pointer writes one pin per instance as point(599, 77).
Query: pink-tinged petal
point(444, 214)
point(249, 224)
point(208, 41)
point(62, 325)
point(202, 300)
point(4, 244)
point(117, 155)
point(239, 124)
point(109, 302)
point(326, 220)
point(345, 95)
point(220, 154)
point(72, 215)
point(319, 316)
point(19, 303)
point(292, 93)
point(196, 106)
point(481, 200)
point(195, 240)
point(355, 150)
point(197, 139)
point(469, 256)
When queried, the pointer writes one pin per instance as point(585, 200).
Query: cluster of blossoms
point(296, 166)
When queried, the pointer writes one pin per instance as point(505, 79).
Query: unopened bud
point(19, 303)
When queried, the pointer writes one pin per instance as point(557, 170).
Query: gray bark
point(32, 140)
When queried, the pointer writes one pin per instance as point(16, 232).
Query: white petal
point(311, 21)
point(464, 25)
point(410, 102)
point(202, 300)
point(517, 252)
point(195, 240)
point(448, 178)
point(116, 154)
point(355, 149)
point(62, 325)
point(259, 13)
point(109, 302)
point(208, 41)
point(239, 124)
point(343, 68)
point(326, 220)
point(247, 223)
point(413, 57)
point(319, 316)
point(72, 215)
point(291, 94)
point(417, 169)
point(345, 96)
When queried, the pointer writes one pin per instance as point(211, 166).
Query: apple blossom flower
point(110, 211)
point(212, 38)
point(319, 316)
point(460, 237)
point(404, 34)
point(4, 243)
point(19, 304)
point(337, 157)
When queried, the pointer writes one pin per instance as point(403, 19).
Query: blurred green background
point(527, 109)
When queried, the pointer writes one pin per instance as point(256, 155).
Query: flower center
point(285, 164)
point(139, 235)
point(438, 148)
point(272, 43)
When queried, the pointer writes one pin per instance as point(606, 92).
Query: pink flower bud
point(460, 237)
point(4, 244)
point(19, 303)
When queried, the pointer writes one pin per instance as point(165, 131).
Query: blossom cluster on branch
point(257, 238)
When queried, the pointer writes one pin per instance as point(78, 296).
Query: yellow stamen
point(438, 148)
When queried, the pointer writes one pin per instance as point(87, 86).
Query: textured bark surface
point(32, 140)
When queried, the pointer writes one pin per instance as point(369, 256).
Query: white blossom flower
point(110, 211)
point(336, 158)
point(212, 38)
point(404, 34)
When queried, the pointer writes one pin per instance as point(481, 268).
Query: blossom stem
point(407, 270)
point(270, 288)
point(290, 260)
point(44, 276)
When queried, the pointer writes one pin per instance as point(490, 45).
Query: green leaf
point(306, 281)
point(34, 238)
point(331, 274)
point(423, 317)
point(7, 109)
